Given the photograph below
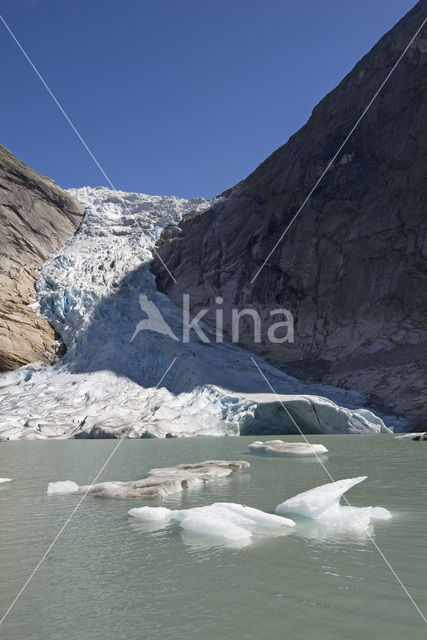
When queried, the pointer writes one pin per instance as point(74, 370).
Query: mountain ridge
point(352, 267)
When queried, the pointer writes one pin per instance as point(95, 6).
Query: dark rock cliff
point(352, 268)
point(36, 218)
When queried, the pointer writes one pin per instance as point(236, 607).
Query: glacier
point(107, 383)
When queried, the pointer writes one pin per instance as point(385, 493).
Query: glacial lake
point(111, 577)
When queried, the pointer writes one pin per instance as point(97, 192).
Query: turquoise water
point(111, 577)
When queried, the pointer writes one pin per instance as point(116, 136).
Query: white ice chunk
point(67, 486)
point(379, 513)
point(315, 502)
point(151, 514)
point(323, 504)
point(5, 480)
point(226, 520)
point(287, 448)
point(214, 527)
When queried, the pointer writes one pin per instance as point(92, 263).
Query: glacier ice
point(93, 291)
point(281, 447)
point(224, 521)
point(323, 504)
point(159, 482)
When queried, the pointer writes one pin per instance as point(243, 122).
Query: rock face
point(36, 218)
point(351, 269)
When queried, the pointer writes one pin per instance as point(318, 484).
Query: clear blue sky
point(181, 97)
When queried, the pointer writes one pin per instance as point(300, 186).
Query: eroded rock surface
point(36, 218)
point(352, 267)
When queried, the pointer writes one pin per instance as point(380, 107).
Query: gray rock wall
point(352, 268)
point(36, 218)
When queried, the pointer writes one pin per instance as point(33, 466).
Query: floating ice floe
point(61, 488)
point(221, 521)
point(287, 448)
point(323, 505)
point(159, 483)
point(412, 436)
point(5, 480)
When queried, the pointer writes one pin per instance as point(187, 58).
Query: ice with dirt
point(97, 292)
point(280, 447)
point(158, 483)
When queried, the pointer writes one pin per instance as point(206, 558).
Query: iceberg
point(159, 483)
point(224, 521)
point(287, 448)
point(62, 488)
point(413, 436)
point(323, 504)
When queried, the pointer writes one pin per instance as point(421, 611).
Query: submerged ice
point(106, 384)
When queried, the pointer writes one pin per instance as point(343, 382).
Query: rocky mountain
point(36, 218)
point(128, 370)
point(352, 267)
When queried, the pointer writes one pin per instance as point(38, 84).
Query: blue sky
point(182, 97)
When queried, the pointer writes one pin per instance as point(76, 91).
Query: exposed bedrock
point(36, 218)
point(352, 267)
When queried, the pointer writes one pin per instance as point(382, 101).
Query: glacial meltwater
point(110, 576)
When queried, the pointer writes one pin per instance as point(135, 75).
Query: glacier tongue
point(106, 382)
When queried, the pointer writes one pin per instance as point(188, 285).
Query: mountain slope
point(352, 267)
point(120, 377)
point(36, 218)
